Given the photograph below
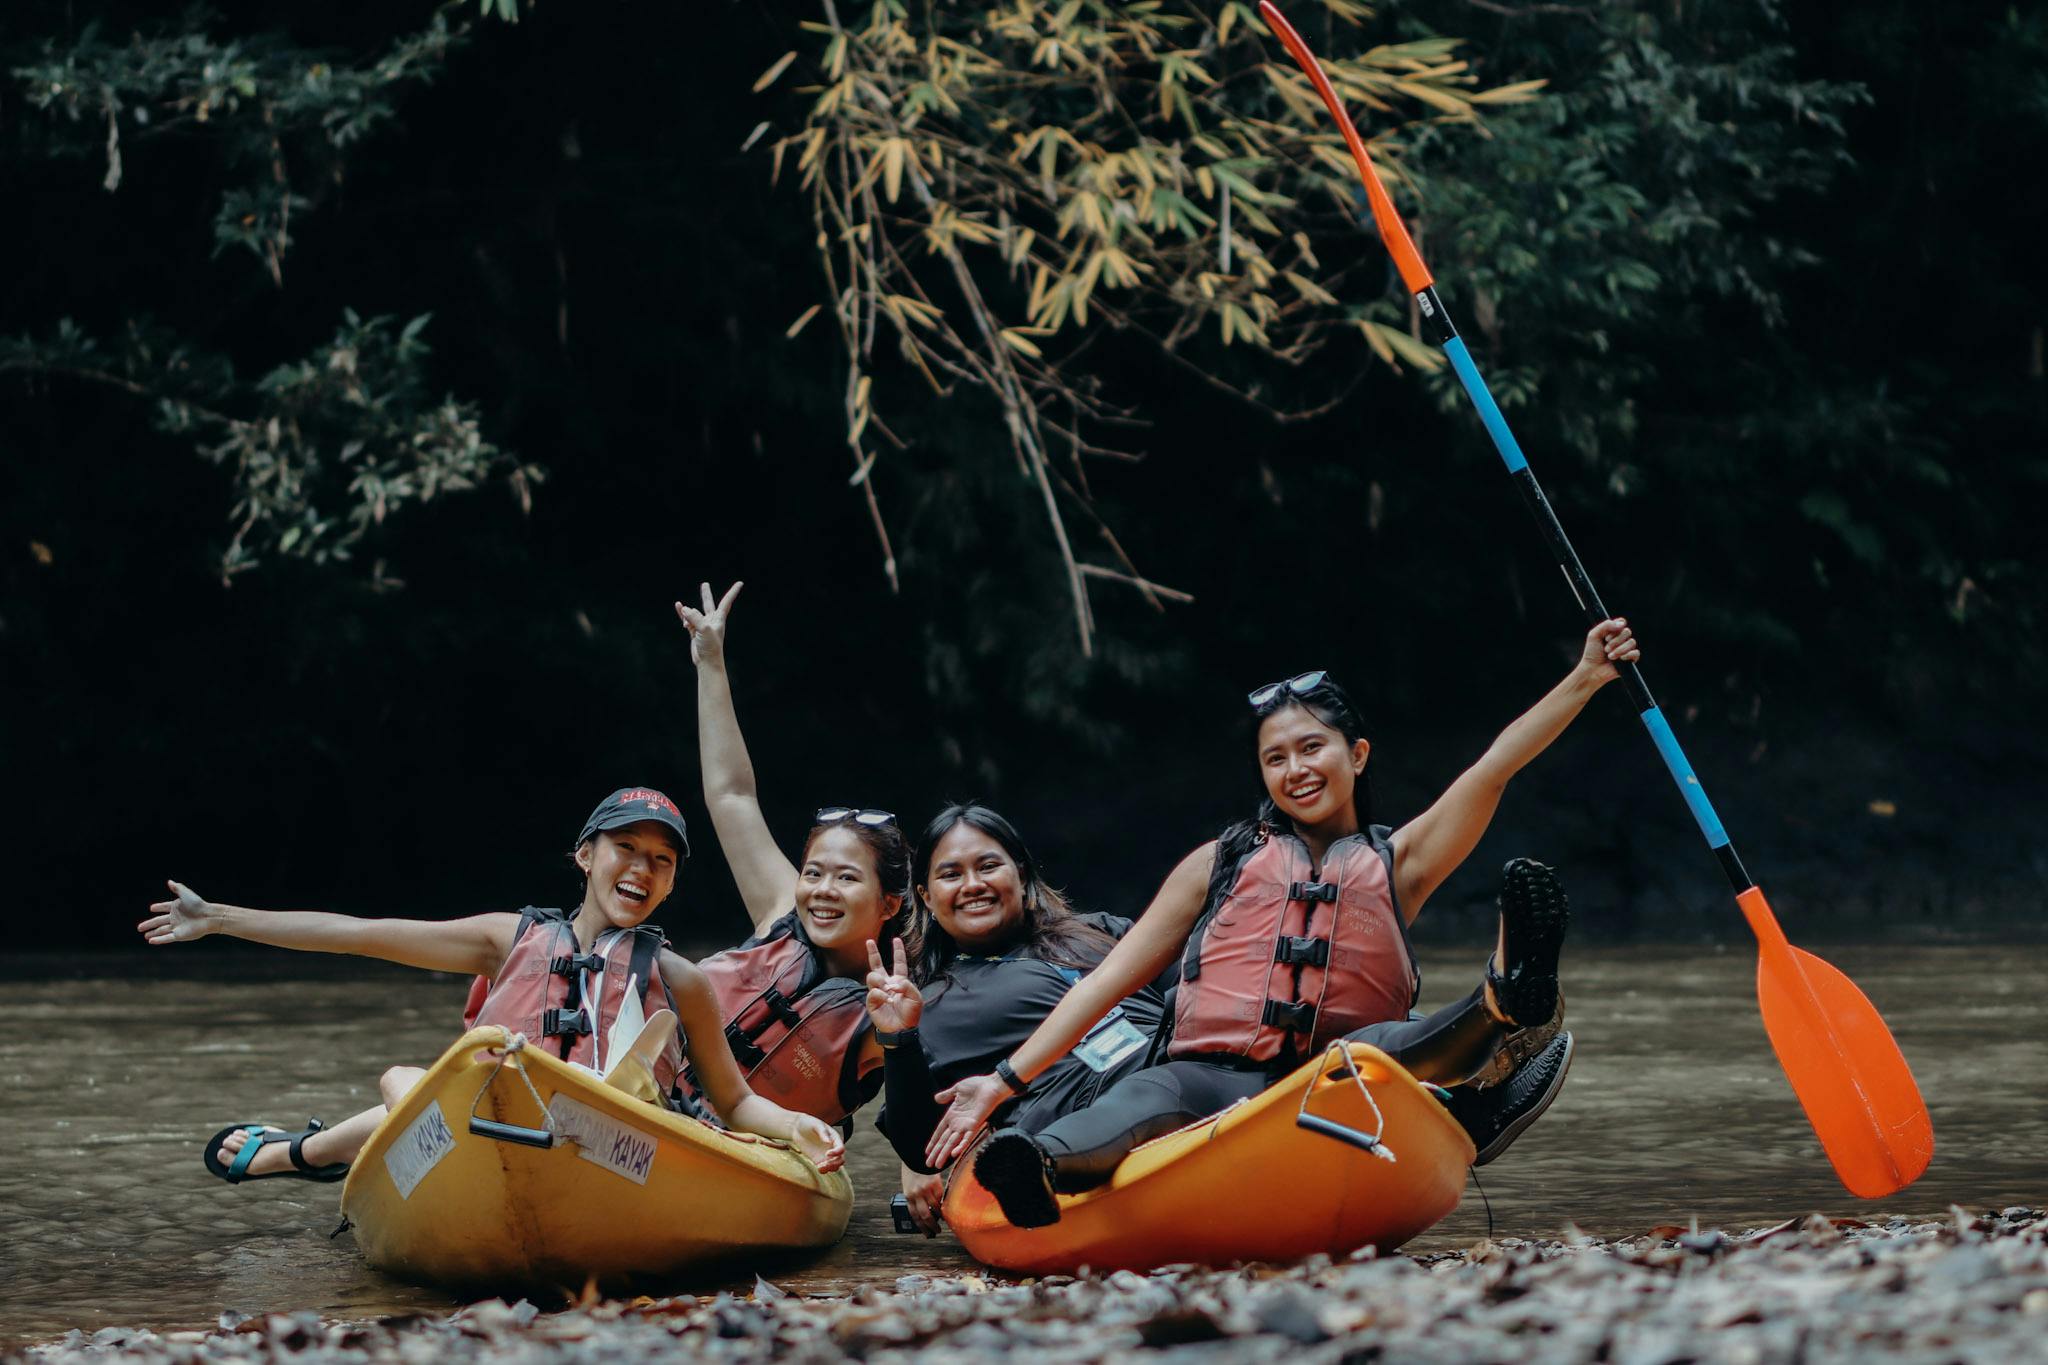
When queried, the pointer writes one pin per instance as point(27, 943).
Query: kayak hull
point(635, 1193)
point(1250, 1184)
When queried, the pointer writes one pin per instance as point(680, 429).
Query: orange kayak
point(1346, 1152)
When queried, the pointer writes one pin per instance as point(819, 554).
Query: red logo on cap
point(648, 797)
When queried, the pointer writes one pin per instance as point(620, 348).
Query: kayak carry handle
point(511, 1132)
point(1343, 1132)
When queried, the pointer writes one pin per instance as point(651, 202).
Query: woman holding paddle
point(1291, 931)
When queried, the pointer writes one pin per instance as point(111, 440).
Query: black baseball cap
point(630, 806)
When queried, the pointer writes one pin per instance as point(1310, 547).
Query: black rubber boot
point(1534, 914)
point(1018, 1172)
point(1494, 1117)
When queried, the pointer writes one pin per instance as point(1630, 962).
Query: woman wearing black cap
point(628, 852)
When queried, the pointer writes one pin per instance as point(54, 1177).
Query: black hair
point(1052, 931)
point(1329, 703)
point(891, 852)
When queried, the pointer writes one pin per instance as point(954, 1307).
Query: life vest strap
point(1300, 1017)
point(576, 964)
point(560, 1023)
point(1311, 952)
point(1312, 891)
point(745, 1050)
point(779, 1005)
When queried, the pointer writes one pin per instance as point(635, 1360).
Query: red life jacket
point(794, 1031)
point(543, 990)
point(1281, 963)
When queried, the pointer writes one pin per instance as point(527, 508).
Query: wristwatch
point(1008, 1076)
point(889, 1042)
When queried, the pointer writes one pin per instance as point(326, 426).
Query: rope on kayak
point(1374, 1141)
point(510, 1053)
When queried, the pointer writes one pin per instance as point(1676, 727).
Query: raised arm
point(476, 945)
point(1431, 846)
point(712, 1060)
point(766, 878)
point(1154, 941)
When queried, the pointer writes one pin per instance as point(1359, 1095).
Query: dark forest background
point(1762, 285)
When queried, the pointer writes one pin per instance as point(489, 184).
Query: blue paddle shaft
point(1517, 463)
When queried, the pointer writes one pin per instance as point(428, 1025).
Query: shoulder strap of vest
point(1382, 837)
point(1221, 882)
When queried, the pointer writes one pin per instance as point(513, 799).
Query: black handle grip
point(1330, 1128)
point(511, 1132)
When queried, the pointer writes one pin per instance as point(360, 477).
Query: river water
point(117, 1069)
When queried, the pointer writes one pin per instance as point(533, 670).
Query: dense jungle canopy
point(374, 376)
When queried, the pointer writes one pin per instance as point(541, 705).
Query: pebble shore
point(1969, 1287)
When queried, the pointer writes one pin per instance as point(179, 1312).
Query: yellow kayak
point(1348, 1151)
point(516, 1169)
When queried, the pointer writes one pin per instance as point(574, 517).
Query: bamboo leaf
point(774, 73)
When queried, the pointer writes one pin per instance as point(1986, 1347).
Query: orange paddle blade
point(1843, 1063)
point(1392, 231)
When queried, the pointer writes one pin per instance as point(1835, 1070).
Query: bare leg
point(329, 1145)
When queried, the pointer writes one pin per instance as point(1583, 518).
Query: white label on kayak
point(418, 1150)
point(601, 1138)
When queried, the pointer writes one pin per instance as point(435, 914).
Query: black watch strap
point(1008, 1076)
point(891, 1041)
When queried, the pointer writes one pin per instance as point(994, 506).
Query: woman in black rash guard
point(992, 951)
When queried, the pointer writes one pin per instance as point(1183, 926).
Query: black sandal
point(1018, 1172)
point(263, 1135)
point(1534, 914)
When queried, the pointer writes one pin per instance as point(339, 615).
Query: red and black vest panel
point(1289, 959)
point(794, 1031)
point(567, 1001)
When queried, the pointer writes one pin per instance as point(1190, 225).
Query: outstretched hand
point(968, 1106)
point(1607, 644)
point(819, 1141)
point(185, 917)
point(894, 1001)
point(707, 625)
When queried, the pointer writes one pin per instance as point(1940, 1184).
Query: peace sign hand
point(894, 1001)
point(707, 626)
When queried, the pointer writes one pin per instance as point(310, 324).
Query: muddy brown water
point(114, 1072)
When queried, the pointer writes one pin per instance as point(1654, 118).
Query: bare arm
point(1160, 934)
point(767, 879)
point(1431, 846)
point(712, 1060)
point(476, 945)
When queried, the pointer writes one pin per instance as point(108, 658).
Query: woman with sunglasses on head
point(793, 994)
point(992, 951)
point(1291, 929)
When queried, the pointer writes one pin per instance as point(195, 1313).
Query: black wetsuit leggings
point(1085, 1146)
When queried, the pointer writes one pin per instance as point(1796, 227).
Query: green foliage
point(282, 116)
point(991, 184)
point(321, 450)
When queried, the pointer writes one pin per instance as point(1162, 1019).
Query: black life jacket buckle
point(779, 1005)
point(745, 1050)
point(1299, 1017)
point(577, 964)
point(1312, 891)
point(1309, 952)
point(559, 1023)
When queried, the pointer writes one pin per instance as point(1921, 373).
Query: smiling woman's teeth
point(632, 891)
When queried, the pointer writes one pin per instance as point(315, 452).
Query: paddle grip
point(511, 1132)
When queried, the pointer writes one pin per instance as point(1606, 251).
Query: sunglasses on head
point(873, 819)
point(1301, 684)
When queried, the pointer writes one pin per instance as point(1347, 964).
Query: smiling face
point(975, 889)
point(839, 894)
point(627, 872)
point(1308, 769)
